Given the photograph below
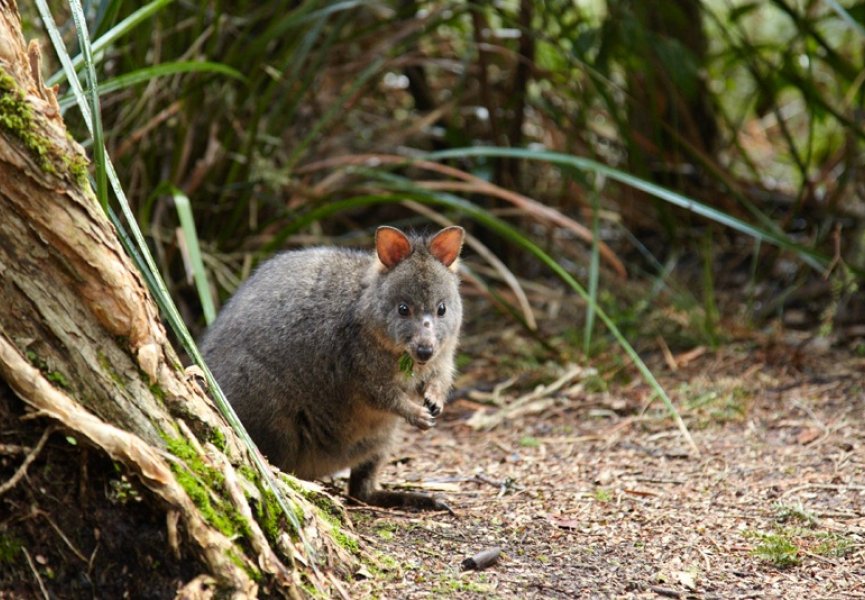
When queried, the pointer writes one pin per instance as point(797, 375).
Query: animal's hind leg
point(362, 485)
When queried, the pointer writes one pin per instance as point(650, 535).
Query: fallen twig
point(22, 470)
point(533, 402)
point(35, 573)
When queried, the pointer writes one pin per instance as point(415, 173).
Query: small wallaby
point(322, 352)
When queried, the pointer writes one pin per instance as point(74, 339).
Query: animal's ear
point(392, 246)
point(446, 246)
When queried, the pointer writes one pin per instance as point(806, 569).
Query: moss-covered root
point(217, 551)
point(235, 502)
point(267, 558)
point(328, 512)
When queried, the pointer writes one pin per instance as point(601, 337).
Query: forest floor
point(580, 478)
point(590, 491)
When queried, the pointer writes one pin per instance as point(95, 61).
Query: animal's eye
point(402, 309)
point(442, 310)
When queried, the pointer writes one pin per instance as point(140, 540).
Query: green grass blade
point(112, 35)
point(846, 17)
point(299, 18)
point(60, 50)
point(93, 97)
point(161, 70)
point(103, 14)
point(594, 266)
point(190, 238)
point(809, 256)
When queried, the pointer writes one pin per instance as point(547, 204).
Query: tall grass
point(751, 129)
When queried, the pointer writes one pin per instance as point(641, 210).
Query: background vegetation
point(718, 146)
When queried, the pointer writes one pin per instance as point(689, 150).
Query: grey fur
point(308, 353)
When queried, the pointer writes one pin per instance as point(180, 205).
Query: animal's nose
point(424, 352)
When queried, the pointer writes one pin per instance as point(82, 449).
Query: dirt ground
point(74, 526)
point(593, 492)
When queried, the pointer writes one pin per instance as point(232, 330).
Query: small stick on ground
point(22, 470)
point(35, 573)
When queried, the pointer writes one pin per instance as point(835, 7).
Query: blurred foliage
point(752, 108)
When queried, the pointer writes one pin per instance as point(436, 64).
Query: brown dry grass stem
point(466, 182)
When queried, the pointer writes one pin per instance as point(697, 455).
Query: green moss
point(58, 379)
point(55, 377)
point(337, 532)
point(77, 166)
point(270, 515)
point(199, 494)
point(343, 539)
point(109, 368)
point(310, 590)
point(248, 472)
point(158, 392)
point(253, 573)
point(36, 360)
point(199, 480)
point(268, 511)
point(217, 438)
point(386, 531)
point(320, 501)
point(16, 117)
point(10, 549)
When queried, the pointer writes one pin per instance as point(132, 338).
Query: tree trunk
point(671, 124)
point(670, 111)
point(82, 345)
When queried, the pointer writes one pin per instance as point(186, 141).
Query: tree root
point(221, 555)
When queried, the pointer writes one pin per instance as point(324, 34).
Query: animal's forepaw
point(423, 419)
point(434, 398)
point(433, 406)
